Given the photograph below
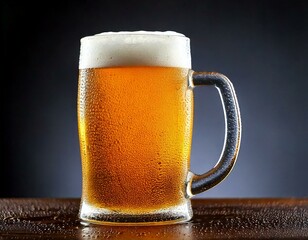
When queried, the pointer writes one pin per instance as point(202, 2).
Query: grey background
point(262, 46)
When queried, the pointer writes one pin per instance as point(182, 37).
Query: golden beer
point(135, 127)
point(135, 117)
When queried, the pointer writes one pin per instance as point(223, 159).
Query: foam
point(138, 48)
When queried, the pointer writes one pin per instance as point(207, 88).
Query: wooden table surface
point(47, 218)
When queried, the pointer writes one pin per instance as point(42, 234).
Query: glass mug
point(135, 120)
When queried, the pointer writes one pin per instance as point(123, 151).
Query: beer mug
point(135, 121)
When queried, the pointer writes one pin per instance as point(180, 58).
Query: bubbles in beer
point(135, 132)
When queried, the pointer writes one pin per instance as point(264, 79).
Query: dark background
point(262, 46)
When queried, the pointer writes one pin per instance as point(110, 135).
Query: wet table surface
point(46, 218)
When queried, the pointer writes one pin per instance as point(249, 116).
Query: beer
point(135, 117)
point(135, 126)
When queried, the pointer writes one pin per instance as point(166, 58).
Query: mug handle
point(203, 182)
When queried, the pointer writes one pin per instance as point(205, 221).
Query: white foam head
point(138, 48)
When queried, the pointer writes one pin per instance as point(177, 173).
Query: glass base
point(172, 215)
